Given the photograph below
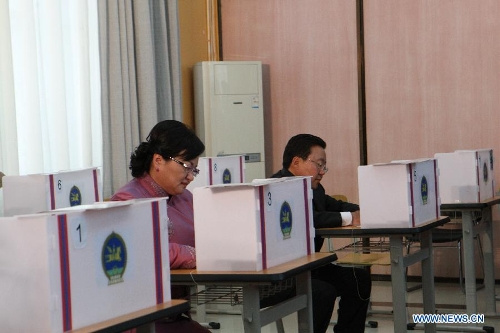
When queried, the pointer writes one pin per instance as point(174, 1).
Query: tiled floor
point(449, 299)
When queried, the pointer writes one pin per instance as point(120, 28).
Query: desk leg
point(398, 267)
point(428, 292)
point(251, 309)
point(304, 316)
point(489, 265)
point(468, 234)
point(398, 283)
point(201, 311)
point(254, 318)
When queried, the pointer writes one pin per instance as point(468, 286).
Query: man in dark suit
point(305, 155)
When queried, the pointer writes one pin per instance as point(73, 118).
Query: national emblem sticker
point(226, 176)
point(114, 258)
point(286, 220)
point(75, 196)
point(424, 190)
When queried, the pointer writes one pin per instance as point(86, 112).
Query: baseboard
point(386, 277)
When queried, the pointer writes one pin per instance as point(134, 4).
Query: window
point(49, 86)
point(50, 90)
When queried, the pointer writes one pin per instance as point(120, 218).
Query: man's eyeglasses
point(187, 168)
point(321, 167)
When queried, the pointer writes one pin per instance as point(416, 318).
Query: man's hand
point(355, 218)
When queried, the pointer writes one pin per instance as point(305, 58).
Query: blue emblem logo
point(75, 196)
point(286, 220)
point(114, 258)
point(424, 190)
point(226, 177)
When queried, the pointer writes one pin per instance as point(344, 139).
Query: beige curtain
point(140, 78)
point(50, 114)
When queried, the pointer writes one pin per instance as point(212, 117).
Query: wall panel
point(432, 83)
point(194, 48)
point(308, 48)
point(432, 80)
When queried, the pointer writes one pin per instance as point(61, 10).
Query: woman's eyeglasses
point(187, 168)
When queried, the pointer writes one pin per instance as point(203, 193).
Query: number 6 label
point(59, 185)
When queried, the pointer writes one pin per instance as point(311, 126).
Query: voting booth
point(67, 269)
point(398, 194)
point(466, 176)
point(219, 170)
point(35, 193)
point(253, 226)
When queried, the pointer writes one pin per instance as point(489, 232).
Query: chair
point(370, 323)
point(445, 236)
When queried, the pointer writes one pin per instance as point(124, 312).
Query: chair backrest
point(339, 197)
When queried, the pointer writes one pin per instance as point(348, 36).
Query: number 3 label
point(269, 201)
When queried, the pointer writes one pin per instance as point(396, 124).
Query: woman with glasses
point(163, 166)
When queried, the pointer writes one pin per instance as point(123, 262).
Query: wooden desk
point(253, 317)
point(399, 262)
point(142, 319)
point(472, 227)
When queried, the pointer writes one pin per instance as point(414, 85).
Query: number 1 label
point(79, 232)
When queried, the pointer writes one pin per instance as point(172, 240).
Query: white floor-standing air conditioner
point(229, 115)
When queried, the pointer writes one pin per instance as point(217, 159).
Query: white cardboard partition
point(466, 176)
point(219, 170)
point(36, 193)
point(398, 194)
point(253, 226)
point(68, 269)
